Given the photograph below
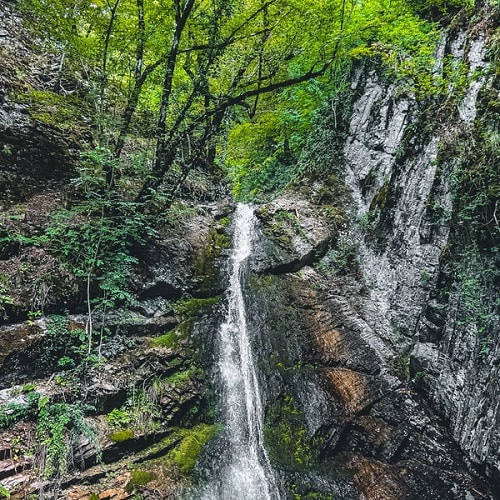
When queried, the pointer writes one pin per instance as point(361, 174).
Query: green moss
point(169, 340)
point(286, 437)
point(283, 226)
point(194, 308)
point(381, 198)
point(298, 494)
point(139, 478)
point(52, 108)
point(186, 453)
point(121, 436)
point(189, 311)
point(205, 260)
point(224, 222)
point(183, 377)
point(94, 496)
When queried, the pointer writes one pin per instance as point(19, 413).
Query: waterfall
point(245, 472)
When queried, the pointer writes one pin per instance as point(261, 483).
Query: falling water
point(245, 472)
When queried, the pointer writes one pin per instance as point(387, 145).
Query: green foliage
point(64, 347)
point(118, 418)
point(143, 410)
point(95, 237)
point(258, 164)
point(96, 245)
point(298, 494)
point(426, 7)
point(13, 412)
point(5, 297)
point(26, 388)
point(474, 239)
point(476, 278)
point(93, 240)
point(341, 259)
point(178, 211)
point(4, 492)
point(233, 97)
point(279, 143)
point(59, 427)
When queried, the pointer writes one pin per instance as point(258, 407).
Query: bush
point(59, 427)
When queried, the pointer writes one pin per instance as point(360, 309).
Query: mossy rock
point(189, 311)
point(183, 378)
point(381, 198)
point(186, 453)
point(168, 340)
point(51, 108)
point(139, 478)
point(205, 261)
point(286, 437)
point(121, 436)
point(195, 308)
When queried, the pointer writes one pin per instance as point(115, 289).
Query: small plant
point(118, 419)
point(340, 260)
point(425, 277)
point(13, 412)
point(4, 492)
point(59, 427)
point(28, 388)
point(143, 410)
point(5, 298)
point(65, 346)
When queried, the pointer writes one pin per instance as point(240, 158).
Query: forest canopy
point(173, 85)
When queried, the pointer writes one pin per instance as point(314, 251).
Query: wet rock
point(295, 233)
point(425, 358)
point(357, 391)
point(345, 386)
point(188, 259)
point(107, 387)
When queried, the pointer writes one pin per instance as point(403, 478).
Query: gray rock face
point(370, 434)
point(391, 172)
point(296, 233)
point(33, 154)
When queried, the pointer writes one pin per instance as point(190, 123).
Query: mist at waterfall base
point(240, 469)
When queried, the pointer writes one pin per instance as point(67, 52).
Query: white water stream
point(245, 473)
